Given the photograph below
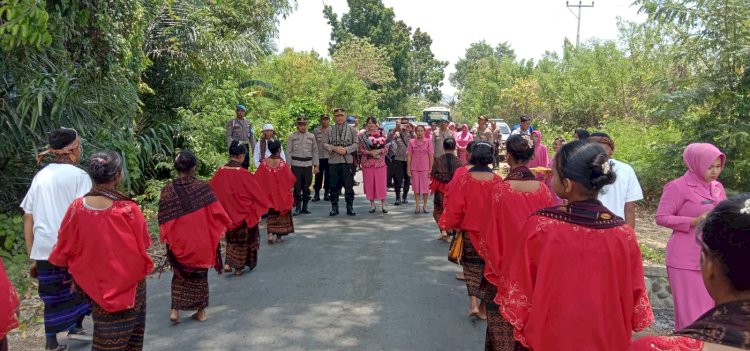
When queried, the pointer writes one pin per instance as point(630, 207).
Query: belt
point(244, 142)
point(301, 159)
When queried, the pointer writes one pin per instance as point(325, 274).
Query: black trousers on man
point(322, 179)
point(246, 162)
point(302, 185)
point(341, 176)
point(399, 176)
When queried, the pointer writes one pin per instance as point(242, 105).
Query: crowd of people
point(524, 241)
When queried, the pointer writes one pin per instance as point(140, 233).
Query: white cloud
point(531, 26)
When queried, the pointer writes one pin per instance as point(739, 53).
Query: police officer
point(302, 151)
point(323, 176)
point(342, 142)
point(239, 129)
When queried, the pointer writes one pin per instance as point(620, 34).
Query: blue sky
point(530, 26)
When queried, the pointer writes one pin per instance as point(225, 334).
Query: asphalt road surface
point(370, 282)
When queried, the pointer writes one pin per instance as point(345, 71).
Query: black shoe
point(350, 209)
point(326, 196)
point(334, 210)
point(304, 207)
point(296, 209)
point(385, 211)
point(404, 200)
point(372, 210)
point(397, 203)
point(316, 198)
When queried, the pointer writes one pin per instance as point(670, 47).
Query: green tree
point(426, 72)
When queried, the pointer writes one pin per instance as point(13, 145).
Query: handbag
point(457, 248)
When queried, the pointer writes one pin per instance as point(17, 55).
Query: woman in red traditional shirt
point(522, 195)
point(278, 179)
point(575, 282)
point(245, 202)
point(8, 307)
point(467, 208)
point(724, 240)
point(191, 222)
point(103, 241)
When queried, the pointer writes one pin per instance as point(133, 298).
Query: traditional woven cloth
point(121, 331)
point(63, 307)
point(280, 224)
point(473, 266)
point(183, 196)
point(190, 289)
point(242, 247)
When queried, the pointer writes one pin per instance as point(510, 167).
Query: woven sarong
point(63, 306)
point(121, 331)
point(242, 247)
point(280, 224)
point(190, 289)
point(473, 266)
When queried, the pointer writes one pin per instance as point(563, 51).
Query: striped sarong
point(279, 224)
point(121, 331)
point(189, 288)
point(63, 305)
point(242, 247)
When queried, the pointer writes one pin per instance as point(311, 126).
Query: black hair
point(104, 166)
point(62, 137)
point(371, 119)
point(518, 147)
point(236, 149)
point(404, 119)
point(481, 154)
point(420, 126)
point(274, 147)
point(583, 161)
point(524, 118)
point(185, 161)
point(726, 233)
point(449, 144)
point(599, 134)
point(582, 134)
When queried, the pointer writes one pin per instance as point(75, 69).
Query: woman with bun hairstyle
point(245, 202)
point(191, 223)
point(724, 240)
point(468, 210)
point(684, 203)
point(277, 178)
point(103, 241)
point(575, 281)
point(522, 195)
point(420, 157)
point(442, 173)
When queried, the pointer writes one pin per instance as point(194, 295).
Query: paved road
point(370, 282)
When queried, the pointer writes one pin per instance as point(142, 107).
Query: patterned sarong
point(279, 224)
point(121, 331)
point(473, 266)
point(63, 306)
point(189, 289)
point(242, 247)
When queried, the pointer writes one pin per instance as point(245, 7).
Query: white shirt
point(53, 189)
point(521, 132)
point(256, 153)
point(625, 189)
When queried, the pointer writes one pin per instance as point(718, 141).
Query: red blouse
point(9, 305)
point(467, 204)
point(278, 183)
point(570, 287)
point(241, 196)
point(193, 238)
point(105, 251)
point(504, 234)
point(666, 343)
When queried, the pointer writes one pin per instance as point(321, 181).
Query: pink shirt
point(421, 152)
point(682, 200)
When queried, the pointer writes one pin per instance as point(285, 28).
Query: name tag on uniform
point(707, 202)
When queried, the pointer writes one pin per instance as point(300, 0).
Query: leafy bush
point(13, 250)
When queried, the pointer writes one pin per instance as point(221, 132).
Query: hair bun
point(601, 172)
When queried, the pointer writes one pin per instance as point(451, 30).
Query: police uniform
point(302, 153)
point(340, 166)
point(239, 129)
point(397, 171)
point(323, 177)
point(437, 140)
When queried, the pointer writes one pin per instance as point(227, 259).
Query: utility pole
point(578, 16)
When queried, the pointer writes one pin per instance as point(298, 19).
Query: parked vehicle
point(436, 113)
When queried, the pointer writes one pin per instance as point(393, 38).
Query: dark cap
point(483, 117)
point(241, 107)
point(301, 119)
point(339, 111)
point(324, 116)
point(525, 118)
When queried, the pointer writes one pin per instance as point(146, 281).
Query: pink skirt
point(691, 299)
point(420, 182)
point(376, 182)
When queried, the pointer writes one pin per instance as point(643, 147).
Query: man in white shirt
point(261, 147)
point(621, 196)
point(52, 190)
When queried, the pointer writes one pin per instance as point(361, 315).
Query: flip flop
point(174, 320)
point(458, 276)
point(239, 272)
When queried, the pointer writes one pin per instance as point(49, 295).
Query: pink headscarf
point(541, 154)
point(698, 158)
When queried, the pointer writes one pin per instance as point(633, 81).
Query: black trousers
point(246, 162)
point(341, 176)
point(322, 179)
point(399, 176)
point(302, 185)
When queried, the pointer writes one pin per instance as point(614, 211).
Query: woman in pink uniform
point(420, 156)
point(372, 150)
point(462, 141)
point(685, 203)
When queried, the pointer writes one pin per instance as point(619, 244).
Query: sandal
point(227, 268)
point(270, 239)
point(195, 316)
point(238, 272)
point(460, 276)
point(80, 334)
point(424, 210)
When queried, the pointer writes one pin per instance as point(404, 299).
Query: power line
point(578, 16)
